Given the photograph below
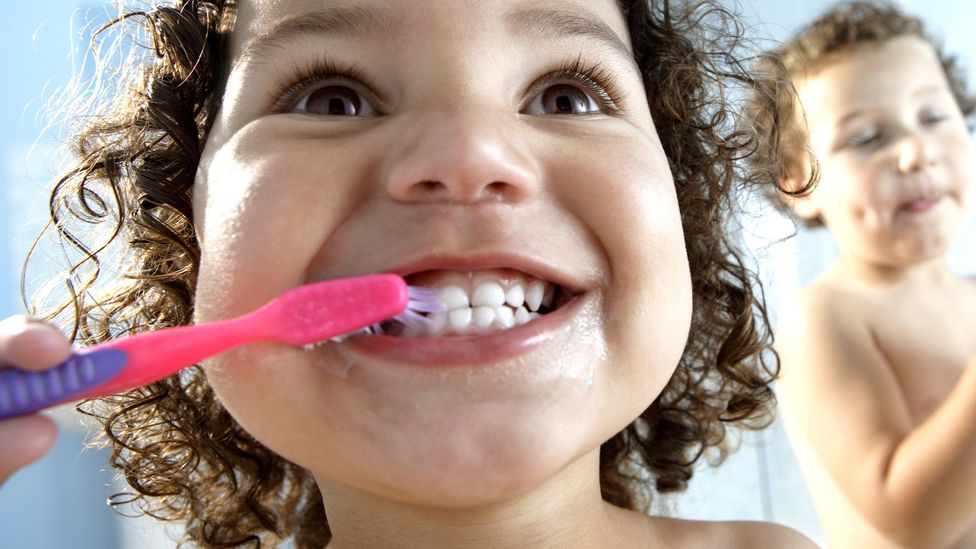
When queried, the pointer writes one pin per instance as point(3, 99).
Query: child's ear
point(797, 186)
point(804, 204)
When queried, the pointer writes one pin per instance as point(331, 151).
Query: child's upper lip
point(921, 187)
point(484, 260)
point(921, 197)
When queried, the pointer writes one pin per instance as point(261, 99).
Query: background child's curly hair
point(780, 127)
point(181, 452)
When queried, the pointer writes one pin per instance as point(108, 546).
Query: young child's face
point(896, 158)
point(447, 143)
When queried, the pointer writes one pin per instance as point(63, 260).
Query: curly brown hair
point(183, 455)
point(773, 115)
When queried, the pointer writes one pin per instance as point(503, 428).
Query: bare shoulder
point(736, 534)
point(826, 297)
point(822, 311)
point(762, 535)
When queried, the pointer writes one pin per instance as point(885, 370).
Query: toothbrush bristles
point(424, 300)
point(413, 318)
point(421, 302)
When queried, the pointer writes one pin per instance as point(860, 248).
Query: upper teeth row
point(492, 294)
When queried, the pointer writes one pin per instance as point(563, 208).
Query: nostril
point(430, 185)
point(498, 188)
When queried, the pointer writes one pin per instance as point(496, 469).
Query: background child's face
point(896, 158)
point(438, 149)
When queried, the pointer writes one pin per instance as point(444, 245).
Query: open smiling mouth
point(478, 302)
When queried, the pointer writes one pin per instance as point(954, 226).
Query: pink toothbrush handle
point(306, 314)
point(155, 355)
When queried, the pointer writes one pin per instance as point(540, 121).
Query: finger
point(24, 440)
point(32, 344)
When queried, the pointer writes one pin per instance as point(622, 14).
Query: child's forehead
point(905, 66)
point(263, 24)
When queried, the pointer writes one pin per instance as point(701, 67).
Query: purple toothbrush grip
point(23, 392)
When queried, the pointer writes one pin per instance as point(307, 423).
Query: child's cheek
point(260, 217)
point(629, 202)
point(263, 209)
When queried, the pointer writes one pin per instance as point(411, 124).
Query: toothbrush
point(299, 316)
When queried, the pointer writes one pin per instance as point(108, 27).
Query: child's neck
point(567, 511)
point(934, 272)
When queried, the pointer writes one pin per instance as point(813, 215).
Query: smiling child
point(572, 157)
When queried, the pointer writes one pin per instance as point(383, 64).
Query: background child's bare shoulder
point(730, 535)
point(828, 310)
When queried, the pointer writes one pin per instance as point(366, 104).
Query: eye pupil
point(338, 106)
point(564, 104)
point(566, 99)
point(335, 101)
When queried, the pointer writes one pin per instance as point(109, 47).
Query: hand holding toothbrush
point(30, 345)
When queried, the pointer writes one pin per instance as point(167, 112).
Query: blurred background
point(61, 500)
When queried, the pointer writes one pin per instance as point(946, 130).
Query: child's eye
point(325, 89)
point(931, 118)
point(865, 139)
point(575, 88)
point(562, 99)
point(334, 100)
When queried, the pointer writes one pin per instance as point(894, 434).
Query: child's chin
point(922, 248)
point(485, 474)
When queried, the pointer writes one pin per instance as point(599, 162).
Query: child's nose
point(914, 153)
point(463, 158)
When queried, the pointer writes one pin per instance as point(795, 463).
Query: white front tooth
point(438, 321)
point(533, 295)
point(504, 317)
point(533, 316)
point(515, 296)
point(488, 294)
point(548, 294)
point(483, 317)
point(521, 315)
point(459, 319)
point(453, 297)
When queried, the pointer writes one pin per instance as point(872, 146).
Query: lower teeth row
point(471, 320)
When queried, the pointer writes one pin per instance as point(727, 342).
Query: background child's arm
point(917, 486)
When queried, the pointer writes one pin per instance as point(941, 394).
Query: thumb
point(24, 440)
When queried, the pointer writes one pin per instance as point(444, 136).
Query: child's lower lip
point(924, 205)
point(475, 350)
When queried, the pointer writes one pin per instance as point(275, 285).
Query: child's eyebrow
point(356, 22)
point(849, 116)
point(852, 114)
point(350, 22)
point(551, 23)
point(928, 90)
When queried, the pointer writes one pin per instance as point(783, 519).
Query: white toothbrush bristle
point(422, 301)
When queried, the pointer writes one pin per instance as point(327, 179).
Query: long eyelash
point(303, 75)
point(596, 76)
